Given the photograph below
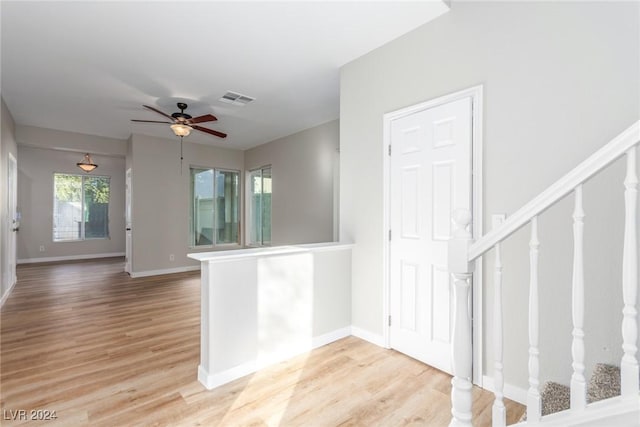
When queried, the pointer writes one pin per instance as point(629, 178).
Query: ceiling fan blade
point(210, 131)
point(159, 112)
point(150, 121)
point(205, 118)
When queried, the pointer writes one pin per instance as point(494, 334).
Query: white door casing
point(430, 175)
point(13, 221)
point(127, 207)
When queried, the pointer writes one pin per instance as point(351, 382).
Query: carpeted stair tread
point(604, 383)
point(555, 398)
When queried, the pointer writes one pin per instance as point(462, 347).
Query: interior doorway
point(128, 231)
point(13, 222)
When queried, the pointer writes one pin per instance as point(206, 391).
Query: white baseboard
point(6, 294)
point(216, 380)
point(368, 336)
point(330, 337)
point(211, 381)
point(69, 258)
point(510, 391)
point(164, 271)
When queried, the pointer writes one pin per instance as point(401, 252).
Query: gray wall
point(7, 145)
point(560, 80)
point(303, 169)
point(303, 166)
point(52, 139)
point(160, 193)
point(35, 201)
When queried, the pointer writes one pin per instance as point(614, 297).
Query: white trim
point(6, 294)
point(263, 251)
point(128, 221)
point(363, 334)
point(510, 391)
point(336, 194)
point(70, 257)
point(616, 411)
point(211, 381)
point(476, 95)
point(477, 186)
point(148, 273)
point(386, 226)
point(330, 337)
point(8, 276)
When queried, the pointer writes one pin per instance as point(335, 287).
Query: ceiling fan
point(182, 123)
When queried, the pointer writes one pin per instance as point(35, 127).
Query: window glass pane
point(201, 207)
point(96, 207)
point(255, 210)
point(226, 207)
point(260, 209)
point(67, 207)
point(80, 207)
point(266, 206)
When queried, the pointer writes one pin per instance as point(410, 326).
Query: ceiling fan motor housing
point(181, 116)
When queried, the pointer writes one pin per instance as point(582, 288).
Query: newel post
point(462, 355)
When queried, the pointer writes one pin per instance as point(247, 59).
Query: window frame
point(83, 237)
point(248, 211)
point(214, 245)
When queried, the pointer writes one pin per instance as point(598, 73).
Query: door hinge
point(389, 234)
point(389, 320)
point(389, 149)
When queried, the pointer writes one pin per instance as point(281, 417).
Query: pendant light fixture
point(87, 164)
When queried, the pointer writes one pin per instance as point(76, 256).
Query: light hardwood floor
point(101, 349)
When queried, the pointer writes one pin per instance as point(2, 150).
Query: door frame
point(476, 95)
point(128, 220)
point(11, 256)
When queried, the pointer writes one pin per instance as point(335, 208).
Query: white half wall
point(262, 306)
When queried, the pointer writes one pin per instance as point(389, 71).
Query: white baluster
point(461, 399)
point(629, 366)
point(499, 416)
point(578, 383)
point(534, 404)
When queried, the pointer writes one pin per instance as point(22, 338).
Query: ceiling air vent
point(236, 98)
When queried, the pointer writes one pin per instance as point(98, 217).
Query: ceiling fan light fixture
point(181, 129)
point(182, 123)
point(87, 164)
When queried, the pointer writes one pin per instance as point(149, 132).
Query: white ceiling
point(89, 66)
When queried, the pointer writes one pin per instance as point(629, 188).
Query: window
point(260, 206)
point(80, 207)
point(214, 207)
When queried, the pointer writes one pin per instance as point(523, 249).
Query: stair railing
point(463, 252)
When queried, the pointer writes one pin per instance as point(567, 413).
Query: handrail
point(585, 170)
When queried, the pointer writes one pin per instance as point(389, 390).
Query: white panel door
point(430, 176)
point(127, 207)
